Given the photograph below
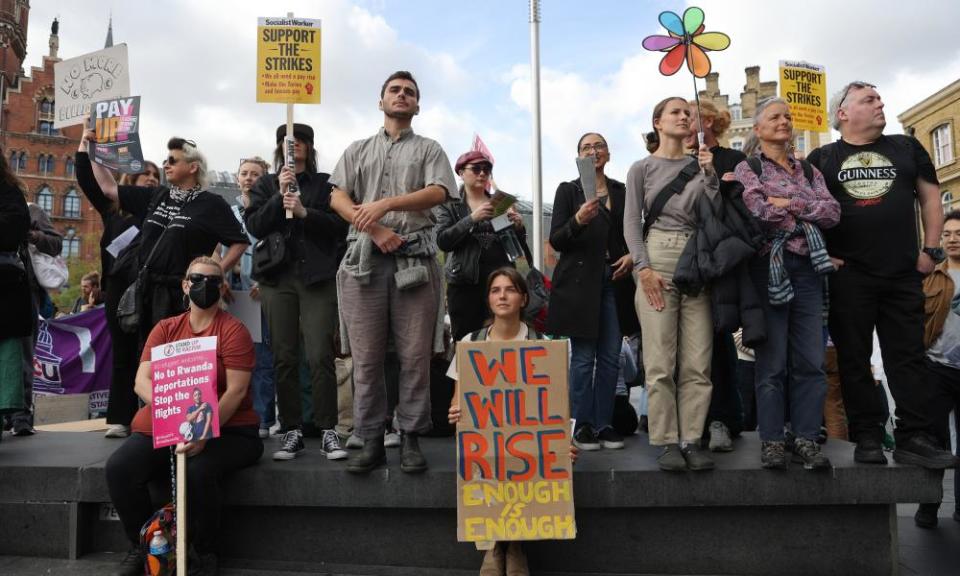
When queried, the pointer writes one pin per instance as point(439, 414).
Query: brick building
point(42, 156)
point(935, 122)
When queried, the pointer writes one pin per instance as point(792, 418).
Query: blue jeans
point(595, 364)
point(262, 381)
point(794, 347)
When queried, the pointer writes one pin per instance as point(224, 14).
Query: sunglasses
point(480, 168)
point(214, 279)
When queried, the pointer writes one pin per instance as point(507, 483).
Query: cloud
point(193, 63)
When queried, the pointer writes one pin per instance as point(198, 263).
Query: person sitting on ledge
point(507, 296)
point(135, 464)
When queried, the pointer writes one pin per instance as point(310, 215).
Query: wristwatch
point(936, 254)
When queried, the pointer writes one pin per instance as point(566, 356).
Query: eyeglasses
point(214, 279)
point(598, 147)
point(170, 161)
point(480, 169)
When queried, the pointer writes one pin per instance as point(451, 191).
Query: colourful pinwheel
point(687, 41)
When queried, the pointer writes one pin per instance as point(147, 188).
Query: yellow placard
point(514, 477)
point(288, 60)
point(804, 86)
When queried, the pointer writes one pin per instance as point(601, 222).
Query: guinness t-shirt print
point(875, 185)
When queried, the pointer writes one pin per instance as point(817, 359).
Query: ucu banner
point(73, 355)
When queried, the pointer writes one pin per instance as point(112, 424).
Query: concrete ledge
point(632, 518)
point(61, 466)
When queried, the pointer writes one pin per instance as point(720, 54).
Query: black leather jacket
point(454, 236)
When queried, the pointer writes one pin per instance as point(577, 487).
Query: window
point(942, 145)
point(45, 164)
point(737, 144)
point(14, 161)
point(70, 168)
point(71, 244)
point(71, 204)
point(22, 163)
point(946, 199)
point(46, 128)
point(45, 199)
point(736, 113)
point(46, 107)
point(801, 144)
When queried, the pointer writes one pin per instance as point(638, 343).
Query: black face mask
point(205, 294)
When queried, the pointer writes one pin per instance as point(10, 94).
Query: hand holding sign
point(184, 403)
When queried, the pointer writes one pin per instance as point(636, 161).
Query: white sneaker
point(263, 432)
point(117, 431)
point(720, 440)
point(354, 442)
point(331, 446)
point(391, 439)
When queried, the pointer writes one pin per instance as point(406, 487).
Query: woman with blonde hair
point(725, 417)
point(118, 273)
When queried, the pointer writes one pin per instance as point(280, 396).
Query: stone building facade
point(935, 122)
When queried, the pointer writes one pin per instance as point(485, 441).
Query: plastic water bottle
point(159, 554)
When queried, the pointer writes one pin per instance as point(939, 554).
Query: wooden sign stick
point(181, 511)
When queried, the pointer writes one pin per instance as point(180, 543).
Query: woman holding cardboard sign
point(507, 296)
point(136, 463)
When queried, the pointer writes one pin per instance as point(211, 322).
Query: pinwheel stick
point(696, 96)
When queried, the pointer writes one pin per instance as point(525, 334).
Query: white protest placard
point(247, 310)
point(86, 79)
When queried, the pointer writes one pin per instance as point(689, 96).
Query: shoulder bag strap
point(674, 187)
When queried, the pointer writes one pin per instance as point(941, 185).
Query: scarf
point(779, 289)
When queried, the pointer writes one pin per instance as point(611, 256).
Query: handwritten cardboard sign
point(804, 86)
point(81, 81)
point(514, 478)
point(288, 60)
point(184, 405)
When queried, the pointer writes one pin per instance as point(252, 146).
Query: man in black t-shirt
point(877, 179)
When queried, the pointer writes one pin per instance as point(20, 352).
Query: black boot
point(411, 459)
point(372, 454)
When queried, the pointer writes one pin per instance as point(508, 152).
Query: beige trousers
point(677, 349)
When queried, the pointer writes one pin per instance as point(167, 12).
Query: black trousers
point(946, 389)
point(126, 359)
point(467, 306)
point(859, 303)
point(725, 403)
point(135, 464)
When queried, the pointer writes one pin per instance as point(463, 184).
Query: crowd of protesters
point(735, 272)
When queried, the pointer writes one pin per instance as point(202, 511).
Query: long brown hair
point(653, 138)
point(131, 179)
point(7, 176)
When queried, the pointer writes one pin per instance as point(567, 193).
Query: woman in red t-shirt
point(136, 463)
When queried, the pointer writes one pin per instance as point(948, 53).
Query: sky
point(194, 65)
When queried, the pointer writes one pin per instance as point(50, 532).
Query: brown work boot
point(493, 561)
point(516, 560)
